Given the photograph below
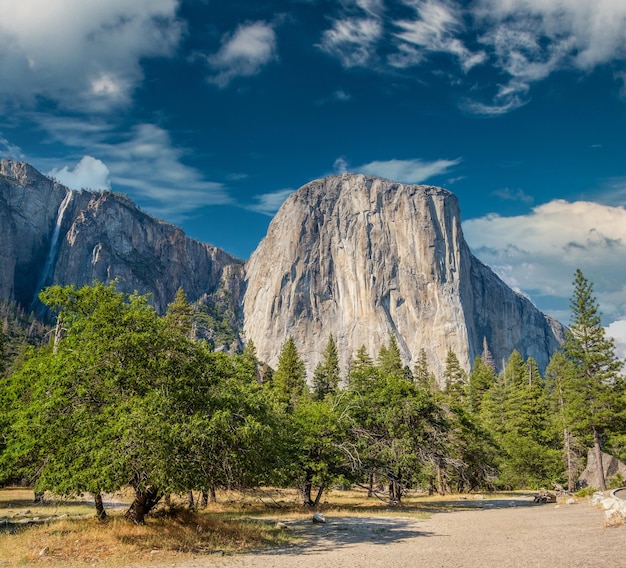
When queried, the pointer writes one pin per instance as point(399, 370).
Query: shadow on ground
point(338, 532)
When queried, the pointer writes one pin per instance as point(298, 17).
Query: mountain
point(52, 235)
point(359, 257)
point(364, 258)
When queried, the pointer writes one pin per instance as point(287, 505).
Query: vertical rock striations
point(363, 258)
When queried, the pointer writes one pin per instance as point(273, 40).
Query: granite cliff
point(359, 257)
point(363, 258)
point(52, 235)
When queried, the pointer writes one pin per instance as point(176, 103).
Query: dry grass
point(237, 522)
point(78, 540)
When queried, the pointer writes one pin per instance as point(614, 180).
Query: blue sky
point(209, 113)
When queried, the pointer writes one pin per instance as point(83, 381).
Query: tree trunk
point(307, 486)
point(320, 491)
point(191, 505)
point(212, 495)
point(101, 514)
point(570, 464)
point(598, 449)
point(145, 501)
point(370, 487)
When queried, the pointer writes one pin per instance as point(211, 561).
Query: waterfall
point(45, 276)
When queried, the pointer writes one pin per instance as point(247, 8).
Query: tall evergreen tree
point(289, 380)
point(454, 376)
point(326, 376)
point(389, 359)
point(422, 375)
point(361, 369)
point(179, 314)
point(480, 381)
point(558, 374)
point(596, 389)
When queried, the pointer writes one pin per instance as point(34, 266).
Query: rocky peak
point(364, 258)
point(52, 235)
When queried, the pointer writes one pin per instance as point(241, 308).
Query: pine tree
point(179, 314)
point(422, 375)
point(558, 373)
point(595, 391)
point(289, 380)
point(326, 376)
point(390, 360)
point(361, 369)
point(480, 381)
point(454, 376)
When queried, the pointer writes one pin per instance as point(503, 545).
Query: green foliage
point(396, 427)
point(126, 397)
point(389, 360)
point(289, 380)
point(480, 381)
point(215, 320)
point(455, 377)
point(422, 375)
point(18, 330)
point(326, 376)
point(594, 389)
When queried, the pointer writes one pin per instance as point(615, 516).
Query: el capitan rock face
point(359, 257)
point(51, 235)
point(363, 258)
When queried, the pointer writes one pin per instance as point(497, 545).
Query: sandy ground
point(492, 534)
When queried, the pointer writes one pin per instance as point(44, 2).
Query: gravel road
point(491, 535)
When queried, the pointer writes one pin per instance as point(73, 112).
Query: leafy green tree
point(289, 380)
point(395, 429)
point(319, 452)
point(515, 410)
point(125, 398)
point(596, 389)
point(249, 361)
point(326, 376)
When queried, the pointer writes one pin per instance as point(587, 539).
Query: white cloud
point(531, 39)
point(539, 252)
point(524, 41)
point(617, 330)
point(340, 166)
point(244, 53)
point(83, 55)
point(269, 203)
point(587, 33)
point(145, 163)
point(9, 150)
point(89, 173)
point(408, 171)
point(352, 40)
point(436, 29)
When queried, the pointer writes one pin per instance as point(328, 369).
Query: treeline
point(124, 397)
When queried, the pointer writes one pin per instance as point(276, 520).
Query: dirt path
point(498, 535)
